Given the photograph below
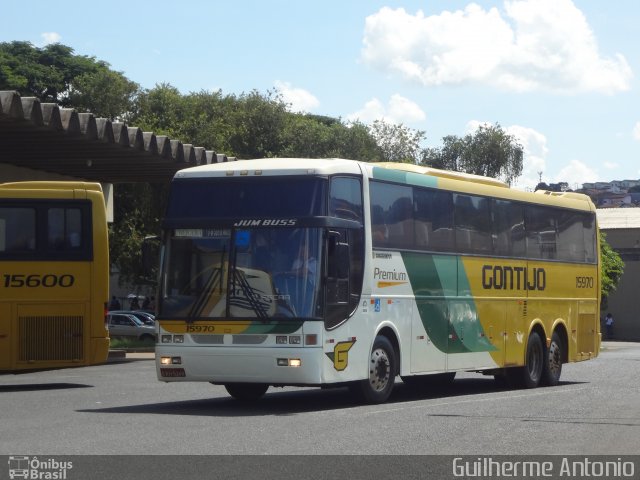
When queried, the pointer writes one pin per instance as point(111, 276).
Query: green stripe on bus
point(451, 322)
point(274, 327)
point(408, 178)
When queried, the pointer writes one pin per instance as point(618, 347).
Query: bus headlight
point(289, 362)
point(166, 338)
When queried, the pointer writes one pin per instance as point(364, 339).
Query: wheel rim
point(379, 370)
point(555, 361)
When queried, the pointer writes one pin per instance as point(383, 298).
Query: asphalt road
point(120, 408)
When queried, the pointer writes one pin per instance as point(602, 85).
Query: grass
point(131, 343)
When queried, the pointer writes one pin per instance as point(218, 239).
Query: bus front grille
point(50, 338)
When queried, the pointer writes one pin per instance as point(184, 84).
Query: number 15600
point(34, 281)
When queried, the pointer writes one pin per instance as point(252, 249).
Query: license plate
point(172, 372)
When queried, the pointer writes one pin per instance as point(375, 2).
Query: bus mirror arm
point(150, 250)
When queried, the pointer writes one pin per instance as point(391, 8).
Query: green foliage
point(104, 93)
point(138, 212)
point(128, 343)
point(54, 74)
point(396, 142)
point(249, 125)
point(489, 151)
point(611, 268)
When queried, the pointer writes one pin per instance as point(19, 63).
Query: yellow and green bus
point(334, 272)
point(54, 275)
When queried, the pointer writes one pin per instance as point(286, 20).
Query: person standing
point(608, 323)
point(114, 304)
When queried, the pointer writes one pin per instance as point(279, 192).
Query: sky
point(561, 76)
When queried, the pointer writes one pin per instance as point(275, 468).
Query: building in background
point(622, 226)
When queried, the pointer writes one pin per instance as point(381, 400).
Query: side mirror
point(150, 254)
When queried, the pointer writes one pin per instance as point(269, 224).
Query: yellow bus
point(54, 275)
point(335, 272)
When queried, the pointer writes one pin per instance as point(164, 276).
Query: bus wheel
point(553, 364)
point(246, 391)
point(530, 375)
point(382, 372)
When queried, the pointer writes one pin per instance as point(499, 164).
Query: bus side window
point(64, 229)
point(17, 229)
point(345, 198)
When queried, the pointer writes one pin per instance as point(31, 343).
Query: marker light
point(311, 339)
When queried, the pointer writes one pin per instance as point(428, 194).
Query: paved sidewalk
point(121, 355)
point(614, 344)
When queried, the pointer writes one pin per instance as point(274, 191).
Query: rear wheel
point(382, 372)
point(246, 391)
point(553, 364)
point(530, 375)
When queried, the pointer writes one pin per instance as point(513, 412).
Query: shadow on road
point(29, 387)
point(277, 402)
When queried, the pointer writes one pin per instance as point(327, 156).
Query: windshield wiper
point(251, 296)
point(207, 291)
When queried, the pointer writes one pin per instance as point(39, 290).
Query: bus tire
point(553, 364)
point(246, 392)
point(381, 373)
point(530, 375)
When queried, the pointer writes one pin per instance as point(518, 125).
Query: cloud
point(398, 110)
point(300, 100)
point(636, 131)
point(544, 45)
point(575, 174)
point(50, 37)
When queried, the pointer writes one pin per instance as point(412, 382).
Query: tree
point(396, 142)
point(55, 74)
point(611, 269)
point(138, 211)
point(489, 151)
point(104, 93)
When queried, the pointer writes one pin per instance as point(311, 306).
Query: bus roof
point(52, 185)
point(435, 172)
point(404, 172)
point(273, 166)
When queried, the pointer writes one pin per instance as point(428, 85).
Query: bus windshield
point(254, 273)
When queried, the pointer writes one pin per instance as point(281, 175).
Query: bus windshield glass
point(235, 198)
point(254, 273)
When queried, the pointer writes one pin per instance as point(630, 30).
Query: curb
point(122, 355)
point(116, 355)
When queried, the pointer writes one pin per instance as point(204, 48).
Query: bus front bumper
point(273, 366)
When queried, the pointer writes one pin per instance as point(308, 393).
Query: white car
point(127, 325)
